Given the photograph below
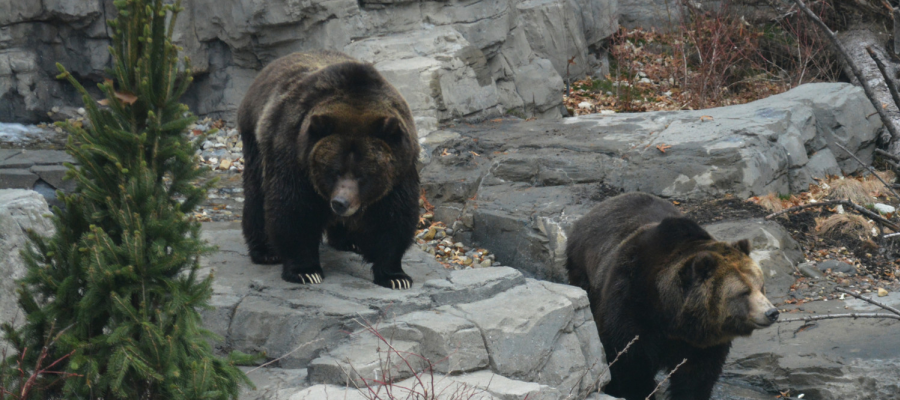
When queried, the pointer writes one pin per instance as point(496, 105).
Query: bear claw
point(400, 284)
point(310, 278)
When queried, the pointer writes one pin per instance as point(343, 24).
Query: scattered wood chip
point(706, 118)
point(663, 147)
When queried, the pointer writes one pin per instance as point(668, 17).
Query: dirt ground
point(876, 260)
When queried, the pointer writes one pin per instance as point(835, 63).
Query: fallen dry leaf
point(706, 118)
point(126, 97)
point(663, 147)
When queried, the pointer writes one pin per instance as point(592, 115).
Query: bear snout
point(762, 312)
point(340, 205)
point(345, 199)
point(772, 314)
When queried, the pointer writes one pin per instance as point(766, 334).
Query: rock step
point(348, 331)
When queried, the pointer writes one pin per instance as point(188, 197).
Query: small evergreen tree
point(114, 293)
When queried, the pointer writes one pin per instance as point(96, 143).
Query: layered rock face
point(458, 59)
point(516, 187)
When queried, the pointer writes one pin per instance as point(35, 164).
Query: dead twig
point(886, 154)
point(892, 86)
point(862, 210)
point(835, 316)
point(868, 300)
point(666, 378)
point(856, 72)
point(596, 384)
point(283, 356)
point(869, 168)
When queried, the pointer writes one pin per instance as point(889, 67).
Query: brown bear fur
point(652, 273)
point(329, 146)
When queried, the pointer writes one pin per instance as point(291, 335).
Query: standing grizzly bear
point(652, 273)
point(329, 146)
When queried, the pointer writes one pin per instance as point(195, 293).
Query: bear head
point(711, 291)
point(356, 155)
point(357, 138)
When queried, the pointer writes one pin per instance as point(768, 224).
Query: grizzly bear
point(654, 274)
point(329, 146)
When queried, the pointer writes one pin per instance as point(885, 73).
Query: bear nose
point(772, 314)
point(340, 205)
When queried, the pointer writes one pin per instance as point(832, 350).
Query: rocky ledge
point(516, 187)
point(488, 331)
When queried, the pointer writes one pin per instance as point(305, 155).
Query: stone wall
point(457, 59)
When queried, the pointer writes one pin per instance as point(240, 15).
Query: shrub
point(114, 295)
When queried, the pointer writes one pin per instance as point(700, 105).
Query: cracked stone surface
point(460, 59)
point(516, 187)
point(490, 331)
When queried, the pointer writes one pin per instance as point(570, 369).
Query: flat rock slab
point(516, 187)
point(537, 339)
point(39, 170)
point(829, 359)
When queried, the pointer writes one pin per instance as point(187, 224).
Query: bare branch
point(870, 169)
point(892, 86)
point(856, 72)
point(666, 378)
point(848, 203)
point(596, 383)
point(285, 355)
point(835, 316)
point(868, 300)
point(888, 155)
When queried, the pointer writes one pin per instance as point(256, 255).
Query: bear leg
point(295, 220)
point(390, 228)
point(633, 376)
point(254, 218)
point(695, 379)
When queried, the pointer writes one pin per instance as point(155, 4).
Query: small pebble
point(882, 292)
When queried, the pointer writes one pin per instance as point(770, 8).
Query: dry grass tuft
point(850, 189)
point(771, 202)
point(875, 187)
point(844, 224)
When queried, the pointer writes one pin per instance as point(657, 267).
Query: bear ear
point(319, 126)
point(673, 231)
point(388, 129)
point(743, 245)
point(700, 268)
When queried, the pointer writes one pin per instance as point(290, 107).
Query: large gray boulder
point(452, 59)
point(20, 211)
point(465, 329)
point(516, 187)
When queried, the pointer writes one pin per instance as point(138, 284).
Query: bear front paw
point(295, 274)
point(302, 278)
point(264, 257)
point(396, 282)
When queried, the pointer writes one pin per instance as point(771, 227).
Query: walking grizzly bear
point(652, 273)
point(329, 146)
